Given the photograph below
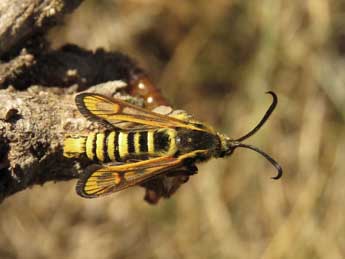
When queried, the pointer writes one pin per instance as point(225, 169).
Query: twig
point(21, 19)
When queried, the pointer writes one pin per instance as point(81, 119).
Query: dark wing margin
point(95, 107)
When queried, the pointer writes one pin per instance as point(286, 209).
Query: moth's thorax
point(192, 140)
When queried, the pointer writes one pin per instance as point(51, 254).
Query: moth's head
point(226, 147)
point(229, 145)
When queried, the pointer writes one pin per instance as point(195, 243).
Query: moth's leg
point(153, 190)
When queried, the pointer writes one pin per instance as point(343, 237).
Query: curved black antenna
point(237, 142)
point(268, 157)
point(264, 119)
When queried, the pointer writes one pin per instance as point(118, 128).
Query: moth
point(142, 145)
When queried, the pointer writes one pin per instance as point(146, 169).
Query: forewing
point(115, 112)
point(102, 180)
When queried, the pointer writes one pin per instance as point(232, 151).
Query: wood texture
point(20, 20)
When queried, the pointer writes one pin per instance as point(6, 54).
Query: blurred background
point(214, 59)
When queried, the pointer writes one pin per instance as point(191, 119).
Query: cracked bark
point(21, 19)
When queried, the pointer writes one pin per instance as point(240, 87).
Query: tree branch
point(20, 19)
point(67, 66)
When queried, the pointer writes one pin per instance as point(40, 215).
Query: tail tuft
point(74, 146)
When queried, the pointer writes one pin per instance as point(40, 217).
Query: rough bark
point(21, 19)
point(67, 66)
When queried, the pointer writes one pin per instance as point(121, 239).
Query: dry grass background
point(214, 59)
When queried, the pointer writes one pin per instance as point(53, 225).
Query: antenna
point(264, 119)
point(237, 142)
point(268, 157)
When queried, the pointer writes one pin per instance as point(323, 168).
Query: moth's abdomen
point(97, 145)
point(120, 146)
point(147, 143)
point(104, 146)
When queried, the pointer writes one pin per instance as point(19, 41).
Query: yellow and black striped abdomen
point(121, 146)
point(102, 146)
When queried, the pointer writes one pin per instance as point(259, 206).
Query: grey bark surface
point(20, 19)
point(67, 66)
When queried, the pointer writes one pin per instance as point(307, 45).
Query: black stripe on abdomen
point(94, 148)
point(116, 145)
point(143, 142)
point(130, 142)
point(105, 153)
point(161, 141)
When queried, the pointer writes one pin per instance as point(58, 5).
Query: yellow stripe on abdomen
point(172, 142)
point(137, 143)
point(91, 146)
point(111, 145)
point(123, 145)
point(100, 137)
point(150, 142)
